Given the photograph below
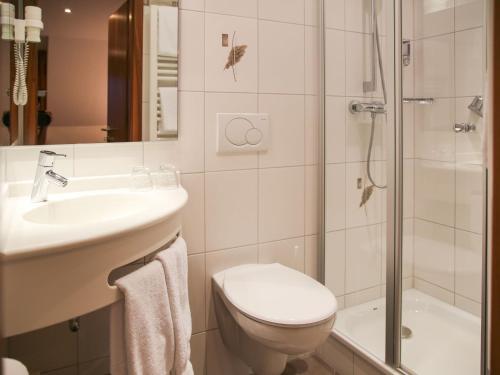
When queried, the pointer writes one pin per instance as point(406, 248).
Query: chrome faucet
point(44, 175)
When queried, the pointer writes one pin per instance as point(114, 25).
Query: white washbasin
point(56, 256)
point(92, 208)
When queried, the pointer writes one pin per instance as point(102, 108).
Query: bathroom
point(332, 154)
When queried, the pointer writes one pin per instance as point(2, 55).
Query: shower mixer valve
point(372, 107)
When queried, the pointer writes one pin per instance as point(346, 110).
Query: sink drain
point(406, 333)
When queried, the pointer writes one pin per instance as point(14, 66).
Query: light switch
point(242, 132)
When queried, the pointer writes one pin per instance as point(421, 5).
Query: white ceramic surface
point(280, 295)
point(77, 237)
point(445, 339)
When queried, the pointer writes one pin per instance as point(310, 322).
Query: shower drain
point(406, 333)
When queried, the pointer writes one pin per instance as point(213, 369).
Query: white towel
point(174, 261)
point(168, 103)
point(141, 329)
point(167, 31)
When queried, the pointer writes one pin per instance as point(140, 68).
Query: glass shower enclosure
point(403, 226)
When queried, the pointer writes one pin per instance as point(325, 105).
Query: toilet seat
point(13, 367)
point(278, 295)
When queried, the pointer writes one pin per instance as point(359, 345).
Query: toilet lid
point(277, 294)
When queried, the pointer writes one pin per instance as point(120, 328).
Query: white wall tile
point(21, 162)
point(434, 254)
point(311, 256)
point(216, 77)
point(45, 349)
point(312, 130)
point(363, 296)
point(281, 203)
point(231, 209)
point(335, 260)
point(468, 305)
point(469, 146)
point(311, 200)
point(193, 215)
point(434, 135)
point(335, 204)
point(192, 4)
point(312, 64)
point(281, 58)
point(435, 201)
point(311, 12)
point(226, 103)
point(219, 261)
point(373, 211)
point(408, 239)
point(186, 152)
point(358, 15)
point(434, 291)
point(198, 353)
point(469, 62)
point(468, 263)
point(93, 336)
point(335, 14)
point(468, 14)
point(363, 258)
point(192, 45)
point(408, 188)
point(120, 158)
point(286, 147)
point(244, 8)
point(290, 253)
point(357, 70)
point(275, 10)
point(408, 131)
point(408, 13)
point(434, 67)
point(433, 17)
point(220, 360)
point(196, 280)
point(469, 200)
point(335, 129)
point(335, 75)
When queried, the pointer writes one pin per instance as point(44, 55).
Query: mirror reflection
point(75, 75)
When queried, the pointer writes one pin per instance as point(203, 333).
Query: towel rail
point(120, 271)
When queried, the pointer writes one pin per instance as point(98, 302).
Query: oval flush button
point(254, 136)
point(236, 131)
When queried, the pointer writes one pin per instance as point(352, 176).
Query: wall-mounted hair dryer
point(22, 32)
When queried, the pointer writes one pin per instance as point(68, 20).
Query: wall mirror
point(83, 73)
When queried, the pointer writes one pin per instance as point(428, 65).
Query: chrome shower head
point(477, 106)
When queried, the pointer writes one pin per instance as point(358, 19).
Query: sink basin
point(97, 207)
point(56, 256)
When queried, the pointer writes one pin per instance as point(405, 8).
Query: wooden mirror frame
point(133, 88)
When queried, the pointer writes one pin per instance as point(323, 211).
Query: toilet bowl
point(267, 312)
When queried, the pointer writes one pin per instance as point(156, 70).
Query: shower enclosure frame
point(394, 264)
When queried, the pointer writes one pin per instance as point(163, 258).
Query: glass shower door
point(443, 174)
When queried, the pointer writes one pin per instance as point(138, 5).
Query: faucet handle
point(46, 158)
point(52, 153)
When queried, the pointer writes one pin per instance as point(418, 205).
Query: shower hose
point(373, 114)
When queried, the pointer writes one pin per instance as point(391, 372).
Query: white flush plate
point(242, 132)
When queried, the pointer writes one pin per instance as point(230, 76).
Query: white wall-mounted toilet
point(267, 312)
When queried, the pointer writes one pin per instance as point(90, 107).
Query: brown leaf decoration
point(367, 193)
point(235, 55)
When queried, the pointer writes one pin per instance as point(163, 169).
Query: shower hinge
point(406, 51)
